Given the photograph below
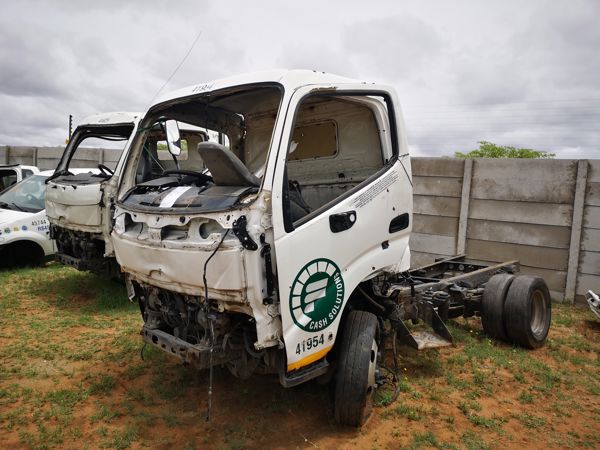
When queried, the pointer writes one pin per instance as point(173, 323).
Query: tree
point(489, 150)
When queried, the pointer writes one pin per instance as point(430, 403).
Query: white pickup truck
point(24, 229)
point(285, 249)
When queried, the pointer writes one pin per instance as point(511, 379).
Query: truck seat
point(226, 168)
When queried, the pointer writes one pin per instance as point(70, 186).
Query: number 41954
point(309, 344)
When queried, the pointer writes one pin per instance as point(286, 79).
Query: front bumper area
point(197, 355)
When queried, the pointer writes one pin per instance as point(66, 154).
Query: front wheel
point(355, 380)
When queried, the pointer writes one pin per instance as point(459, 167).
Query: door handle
point(342, 221)
point(400, 222)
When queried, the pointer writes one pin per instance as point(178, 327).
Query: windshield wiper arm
point(13, 204)
point(17, 206)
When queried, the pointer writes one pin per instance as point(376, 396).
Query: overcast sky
point(522, 73)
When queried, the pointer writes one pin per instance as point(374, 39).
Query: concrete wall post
point(461, 239)
point(576, 224)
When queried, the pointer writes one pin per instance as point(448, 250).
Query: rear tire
point(492, 305)
point(528, 311)
point(356, 373)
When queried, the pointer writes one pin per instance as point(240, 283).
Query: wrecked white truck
point(285, 249)
point(80, 207)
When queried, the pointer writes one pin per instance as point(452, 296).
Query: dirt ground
point(72, 376)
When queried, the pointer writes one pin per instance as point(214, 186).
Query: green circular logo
point(317, 295)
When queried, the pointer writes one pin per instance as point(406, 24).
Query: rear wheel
point(527, 311)
point(492, 305)
point(355, 380)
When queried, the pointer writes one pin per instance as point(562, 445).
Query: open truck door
point(342, 209)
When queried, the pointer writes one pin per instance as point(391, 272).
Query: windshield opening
point(93, 146)
point(224, 141)
point(29, 195)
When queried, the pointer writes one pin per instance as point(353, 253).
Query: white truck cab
point(284, 248)
point(273, 233)
point(79, 206)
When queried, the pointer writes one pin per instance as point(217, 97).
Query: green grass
point(103, 385)
point(71, 376)
point(526, 398)
point(121, 439)
point(428, 440)
point(530, 420)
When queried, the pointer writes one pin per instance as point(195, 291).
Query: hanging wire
point(211, 328)
point(176, 69)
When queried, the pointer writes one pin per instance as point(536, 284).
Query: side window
point(27, 173)
point(7, 178)
point(337, 143)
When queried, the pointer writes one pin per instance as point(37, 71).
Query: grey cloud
point(465, 71)
point(395, 47)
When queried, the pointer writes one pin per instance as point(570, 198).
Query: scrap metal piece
point(594, 302)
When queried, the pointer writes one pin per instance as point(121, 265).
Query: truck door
point(342, 208)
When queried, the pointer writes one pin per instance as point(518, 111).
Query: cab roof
point(111, 118)
point(289, 79)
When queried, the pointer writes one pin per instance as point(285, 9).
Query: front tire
point(527, 312)
point(355, 380)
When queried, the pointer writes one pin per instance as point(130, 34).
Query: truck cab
point(79, 205)
point(259, 244)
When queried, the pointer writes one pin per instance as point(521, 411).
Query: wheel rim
point(371, 378)
point(538, 313)
point(372, 367)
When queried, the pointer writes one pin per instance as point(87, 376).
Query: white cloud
point(514, 73)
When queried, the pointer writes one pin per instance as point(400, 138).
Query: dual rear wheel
point(517, 309)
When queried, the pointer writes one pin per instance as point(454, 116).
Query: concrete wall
point(545, 213)
point(47, 157)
